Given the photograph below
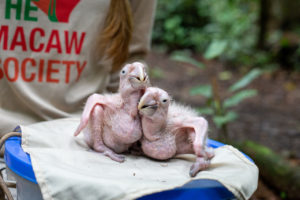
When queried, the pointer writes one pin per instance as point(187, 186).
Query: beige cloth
point(49, 67)
point(65, 168)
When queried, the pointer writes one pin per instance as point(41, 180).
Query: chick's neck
point(131, 101)
point(153, 127)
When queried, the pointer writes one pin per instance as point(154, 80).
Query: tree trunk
point(263, 23)
point(275, 170)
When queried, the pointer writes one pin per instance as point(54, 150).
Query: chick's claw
point(209, 153)
point(200, 164)
point(116, 157)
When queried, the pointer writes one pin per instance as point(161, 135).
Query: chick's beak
point(141, 73)
point(147, 103)
point(142, 102)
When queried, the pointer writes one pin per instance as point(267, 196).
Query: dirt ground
point(272, 118)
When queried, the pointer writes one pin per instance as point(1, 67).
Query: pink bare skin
point(172, 129)
point(110, 122)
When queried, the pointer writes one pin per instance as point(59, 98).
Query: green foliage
point(262, 149)
point(221, 120)
point(228, 30)
point(283, 195)
point(216, 28)
point(176, 21)
point(183, 57)
point(215, 107)
point(219, 109)
point(225, 75)
point(246, 80)
point(216, 48)
point(203, 90)
point(205, 111)
point(156, 72)
point(238, 98)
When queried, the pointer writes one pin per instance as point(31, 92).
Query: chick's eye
point(164, 101)
point(123, 72)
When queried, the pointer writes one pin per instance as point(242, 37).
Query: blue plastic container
point(27, 188)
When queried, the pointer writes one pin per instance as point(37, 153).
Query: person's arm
point(143, 18)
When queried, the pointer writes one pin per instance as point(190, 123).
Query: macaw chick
point(110, 122)
point(170, 129)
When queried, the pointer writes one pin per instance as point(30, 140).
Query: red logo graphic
point(57, 10)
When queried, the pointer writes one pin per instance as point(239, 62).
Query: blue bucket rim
point(20, 162)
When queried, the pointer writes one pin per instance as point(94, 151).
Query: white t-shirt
point(48, 59)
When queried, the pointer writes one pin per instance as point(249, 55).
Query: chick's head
point(154, 103)
point(133, 77)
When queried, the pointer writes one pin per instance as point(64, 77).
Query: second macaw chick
point(170, 129)
point(110, 122)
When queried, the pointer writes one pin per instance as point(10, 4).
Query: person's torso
point(48, 58)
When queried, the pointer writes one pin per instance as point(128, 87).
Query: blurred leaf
point(205, 111)
point(283, 195)
point(156, 72)
point(238, 97)
point(218, 107)
point(191, 72)
point(172, 23)
point(262, 58)
point(209, 102)
point(215, 49)
point(289, 86)
point(203, 90)
point(274, 37)
point(248, 78)
point(225, 75)
point(284, 42)
point(162, 48)
point(228, 117)
point(187, 59)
